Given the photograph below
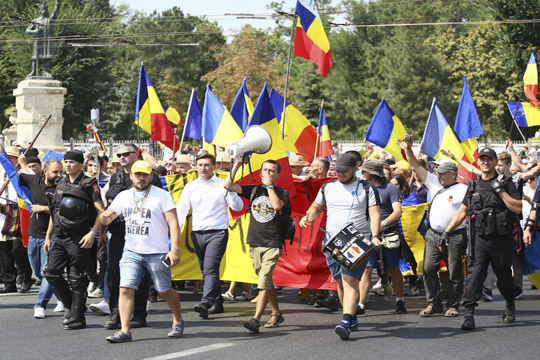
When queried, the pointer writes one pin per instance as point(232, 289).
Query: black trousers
point(499, 252)
point(116, 249)
point(13, 252)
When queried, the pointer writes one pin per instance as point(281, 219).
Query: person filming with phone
point(149, 214)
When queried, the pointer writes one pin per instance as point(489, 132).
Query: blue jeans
point(38, 261)
point(133, 268)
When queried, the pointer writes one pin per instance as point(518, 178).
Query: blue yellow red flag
point(526, 115)
point(325, 143)
point(300, 135)
point(218, 126)
point(467, 127)
point(530, 81)
point(149, 113)
point(310, 40)
point(242, 107)
point(385, 129)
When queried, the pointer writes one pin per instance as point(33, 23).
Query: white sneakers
point(101, 307)
point(228, 296)
point(97, 293)
point(39, 313)
point(59, 307)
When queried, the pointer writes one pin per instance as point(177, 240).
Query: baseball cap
point(488, 152)
point(345, 162)
point(439, 162)
point(402, 164)
point(446, 167)
point(141, 166)
point(374, 167)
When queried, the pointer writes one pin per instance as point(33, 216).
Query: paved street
point(307, 333)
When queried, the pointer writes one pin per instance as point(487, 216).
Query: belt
point(207, 231)
point(453, 232)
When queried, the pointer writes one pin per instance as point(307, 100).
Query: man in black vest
point(120, 181)
point(71, 232)
point(491, 200)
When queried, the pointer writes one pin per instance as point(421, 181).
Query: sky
point(214, 10)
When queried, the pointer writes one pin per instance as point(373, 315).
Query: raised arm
point(229, 180)
point(411, 158)
point(470, 168)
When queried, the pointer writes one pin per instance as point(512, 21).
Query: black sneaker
point(509, 313)
point(487, 295)
point(360, 311)
point(202, 309)
point(253, 325)
point(400, 307)
point(519, 293)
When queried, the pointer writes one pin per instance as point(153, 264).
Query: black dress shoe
point(75, 325)
point(25, 287)
point(113, 323)
point(8, 289)
point(217, 308)
point(137, 323)
point(202, 309)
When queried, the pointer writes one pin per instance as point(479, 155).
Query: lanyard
point(141, 200)
point(354, 194)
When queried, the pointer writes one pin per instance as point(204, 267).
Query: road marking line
point(194, 351)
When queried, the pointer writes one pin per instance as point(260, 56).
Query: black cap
point(345, 162)
point(33, 160)
point(75, 155)
point(488, 152)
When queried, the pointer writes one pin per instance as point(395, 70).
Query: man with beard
point(149, 214)
point(71, 232)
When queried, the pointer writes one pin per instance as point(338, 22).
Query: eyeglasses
point(126, 154)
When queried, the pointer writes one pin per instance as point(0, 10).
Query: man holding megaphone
point(265, 235)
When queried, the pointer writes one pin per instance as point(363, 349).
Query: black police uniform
point(73, 213)
point(493, 239)
point(119, 182)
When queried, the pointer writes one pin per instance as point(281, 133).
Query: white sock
point(399, 298)
point(362, 306)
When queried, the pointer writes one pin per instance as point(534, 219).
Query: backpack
point(288, 225)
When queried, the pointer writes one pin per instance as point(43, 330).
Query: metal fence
point(152, 147)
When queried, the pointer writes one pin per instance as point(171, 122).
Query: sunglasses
point(126, 154)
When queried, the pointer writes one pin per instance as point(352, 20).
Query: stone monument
point(37, 97)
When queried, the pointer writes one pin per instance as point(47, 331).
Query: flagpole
point(138, 126)
point(318, 135)
point(287, 78)
point(187, 117)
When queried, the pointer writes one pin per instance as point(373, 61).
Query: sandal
point(275, 323)
point(451, 312)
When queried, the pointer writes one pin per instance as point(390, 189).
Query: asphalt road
point(307, 333)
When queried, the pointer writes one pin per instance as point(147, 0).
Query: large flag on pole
point(325, 143)
point(193, 122)
point(300, 135)
point(310, 40)
point(218, 126)
point(530, 81)
point(526, 115)
point(467, 127)
point(242, 107)
point(438, 135)
point(385, 129)
point(150, 116)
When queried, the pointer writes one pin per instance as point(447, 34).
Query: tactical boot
point(468, 322)
point(77, 311)
point(509, 313)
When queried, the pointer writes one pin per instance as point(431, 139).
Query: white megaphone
point(256, 140)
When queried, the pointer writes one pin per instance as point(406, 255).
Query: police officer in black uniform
point(75, 207)
point(492, 201)
point(120, 181)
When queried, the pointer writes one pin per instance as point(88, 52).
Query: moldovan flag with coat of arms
point(300, 135)
point(150, 116)
point(385, 129)
point(310, 40)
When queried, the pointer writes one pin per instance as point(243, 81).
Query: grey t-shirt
point(388, 194)
point(337, 200)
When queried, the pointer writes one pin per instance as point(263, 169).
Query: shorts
point(337, 270)
point(134, 266)
point(264, 261)
point(391, 258)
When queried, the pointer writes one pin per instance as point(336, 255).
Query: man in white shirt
point(446, 198)
point(209, 201)
point(149, 214)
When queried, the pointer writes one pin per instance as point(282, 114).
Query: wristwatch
point(269, 187)
point(375, 237)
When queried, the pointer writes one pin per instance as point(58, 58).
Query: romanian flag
point(467, 127)
point(310, 41)
point(300, 135)
point(530, 81)
point(150, 116)
point(526, 115)
point(172, 115)
point(193, 124)
point(438, 135)
point(242, 107)
point(385, 129)
point(325, 143)
point(218, 126)
point(263, 115)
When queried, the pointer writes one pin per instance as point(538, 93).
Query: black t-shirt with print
point(37, 227)
point(265, 227)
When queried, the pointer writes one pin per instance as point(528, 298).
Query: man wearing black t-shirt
point(265, 236)
point(492, 202)
point(41, 188)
